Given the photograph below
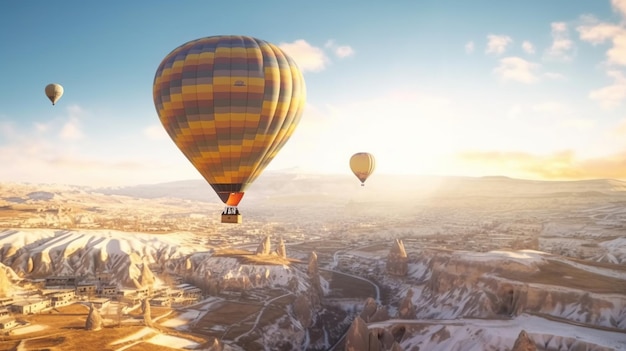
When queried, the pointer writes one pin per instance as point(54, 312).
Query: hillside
point(380, 187)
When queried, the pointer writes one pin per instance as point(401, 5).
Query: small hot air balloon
point(362, 165)
point(229, 103)
point(54, 92)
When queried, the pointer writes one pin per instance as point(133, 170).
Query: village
point(47, 294)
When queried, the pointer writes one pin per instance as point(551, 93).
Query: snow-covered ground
point(172, 341)
point(155, 337)
point(28, 329)
point(526, 257)
point(480, 335)
point(182, 319)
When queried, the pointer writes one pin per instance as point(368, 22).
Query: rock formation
point(147, 277)
point(357, 338)
point(281, 251)
point(303, 310)
point(369, 309)
point(397, 260)
point(265, 247)
point(214, 345)
point(147, 315)
point(372, 312)
point(385, 338)
point(524, 343)
point(5, 282)
point(373, 343)
point(380, 315)
point(314, 276)
point(406, 310)
point(94, 320)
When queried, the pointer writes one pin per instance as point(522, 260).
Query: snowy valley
point(452, 265)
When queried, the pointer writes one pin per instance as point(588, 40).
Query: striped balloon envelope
point(229, 103)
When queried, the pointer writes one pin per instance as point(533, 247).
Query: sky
point(529, 89)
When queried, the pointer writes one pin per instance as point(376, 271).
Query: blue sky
point(531, 89)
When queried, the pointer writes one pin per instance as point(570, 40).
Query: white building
point(30, 307)
point(7, 322)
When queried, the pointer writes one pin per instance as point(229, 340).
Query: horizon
point(526, 90)
point(346, 176)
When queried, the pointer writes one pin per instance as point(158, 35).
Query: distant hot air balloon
point(229, 103)
point(362, 165)
point(54, 92)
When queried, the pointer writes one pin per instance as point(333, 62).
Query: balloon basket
point(231, 218)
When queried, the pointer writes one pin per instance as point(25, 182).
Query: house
point(109, 290)
point(59, 297)
point(30, 307)
point(126, 292)
point(61, 281)
point(142, 292)
point(162, 301)
point(7, 322)
point(131, 299)
point(175, 293)
point(6, 301)
point(160, 290)
point(189, 290)
point(104, 277)
point(192, 293)
point(86, 289)
point(99, 303)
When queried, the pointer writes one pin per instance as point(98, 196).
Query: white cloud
point(496, 44)
point(595, 32)
point(71, 130)
point(598, 33)
point(155, 132)
point(308, 57)
point(41, 127)
point(40, 152)
point(611, 96)
point(562, 46)
point(619, 6)
point(554, 76)
point(617, 54)
point(344, 51)
point(37, 156)
point(340, 51)
point(469, 47)
point(528, 47)
point(517, 69)
point(7, 130)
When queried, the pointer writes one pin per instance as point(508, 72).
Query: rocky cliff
point(397, 260)
point(483, 301)
point(507, 284)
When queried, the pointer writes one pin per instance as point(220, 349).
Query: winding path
point(376, 288)
point(258, 317)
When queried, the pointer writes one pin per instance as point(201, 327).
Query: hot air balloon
point(54, 92)
point(229, 103)
point(362, 165)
